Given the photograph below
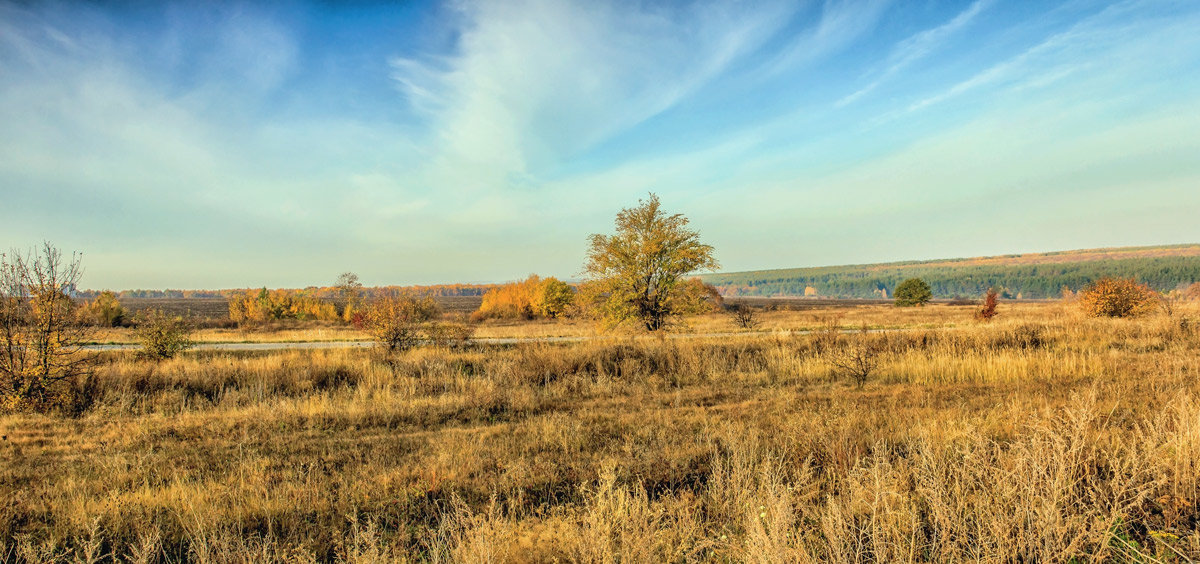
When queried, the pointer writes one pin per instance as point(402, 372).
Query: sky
point(221, 145)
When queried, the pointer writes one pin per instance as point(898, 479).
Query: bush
point(104, 311)
point(988, 311)
point(397, 322)
point(913, 292)
point(857, 360)
point(1117, 297)
point(162, 336)
point(554, 298)
point(743, 315)
point(263, 306)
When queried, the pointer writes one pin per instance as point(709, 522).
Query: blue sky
point(200, 145)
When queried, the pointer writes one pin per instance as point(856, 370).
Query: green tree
point(554, 298)
point(912, 292)
point(634, 275)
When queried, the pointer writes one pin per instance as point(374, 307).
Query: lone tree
point(40, 336)
point(635, 275)
point(913, 292)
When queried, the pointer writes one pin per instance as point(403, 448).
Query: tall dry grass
point(1043, 437)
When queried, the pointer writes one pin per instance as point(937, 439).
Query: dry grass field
point(774, 315)
point(1043, 436)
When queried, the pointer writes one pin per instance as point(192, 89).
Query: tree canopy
point(635, 274)
point(913, 292)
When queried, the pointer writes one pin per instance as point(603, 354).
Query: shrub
point(988, 311)
point(510, 301)
point(396, 322)
point(1117, 297)
point(743, 315)
point(913, 292)
point(161, 335)
point(1192, 292)
point(554, 298)
point(104, 311)
point(858, 360)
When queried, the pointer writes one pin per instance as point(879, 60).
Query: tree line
point(1030, 281)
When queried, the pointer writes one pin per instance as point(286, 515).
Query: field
point(1043, 436)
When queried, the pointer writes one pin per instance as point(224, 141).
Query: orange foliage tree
point(529, 298)
point(1117, 297)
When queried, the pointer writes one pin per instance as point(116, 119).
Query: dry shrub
point(103, 311)
point(742, 315)
point(398, 322)
point(1117, 297)
point(988, 311)
point(858, 359)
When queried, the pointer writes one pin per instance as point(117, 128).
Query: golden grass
point(849, 317)
point(1043, 436)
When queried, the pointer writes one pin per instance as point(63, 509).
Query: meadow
point(1042, 436)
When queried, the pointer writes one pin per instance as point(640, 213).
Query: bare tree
point(41, 336)
point(349, 292)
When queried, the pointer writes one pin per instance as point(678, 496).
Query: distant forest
point(959, 279)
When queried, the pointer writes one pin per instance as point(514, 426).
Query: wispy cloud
point(1084, 43)
point(918, 47)
point(536, 82)
point(839, 24)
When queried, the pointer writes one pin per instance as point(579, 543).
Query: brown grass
point(1042, 436)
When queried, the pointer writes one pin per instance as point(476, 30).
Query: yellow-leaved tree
point(636, 275)
point(41, 338)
